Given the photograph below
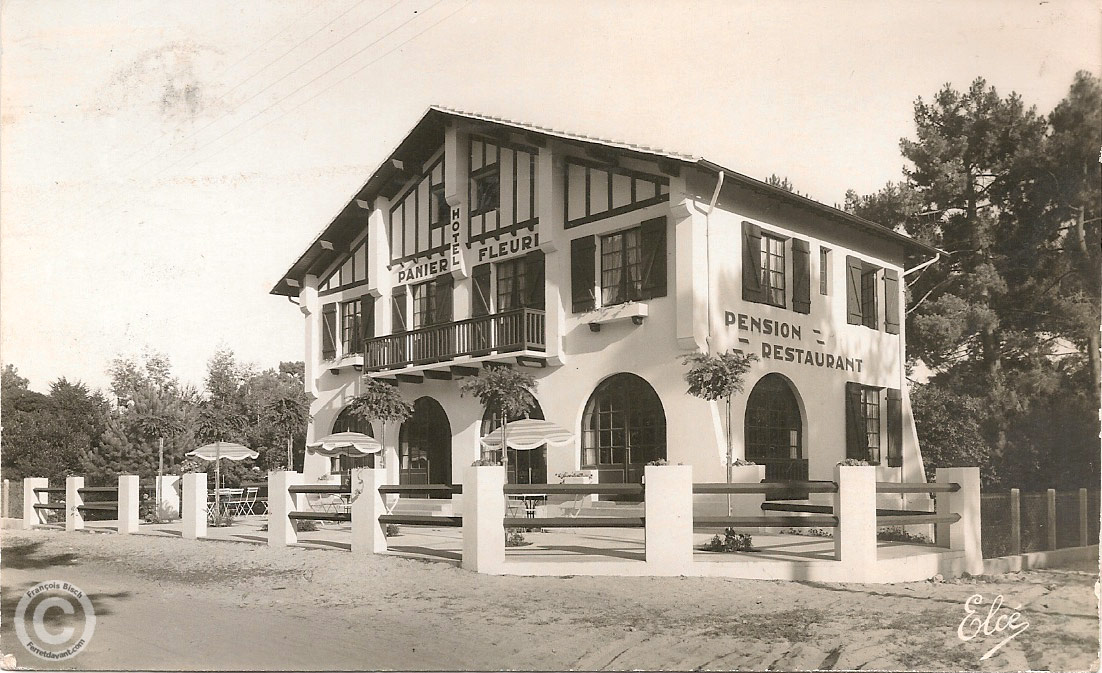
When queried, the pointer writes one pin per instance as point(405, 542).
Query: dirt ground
point(166, 603)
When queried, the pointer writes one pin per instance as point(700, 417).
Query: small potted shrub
point(730, 542)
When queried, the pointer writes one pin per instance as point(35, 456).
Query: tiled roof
point(566, 135)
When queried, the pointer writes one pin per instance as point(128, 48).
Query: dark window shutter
point(891, 301)
point(751, 263)
point(398, 310)
point(856, 439)
point(895, 428)
point(480, 302)
point(853, 290)
point(329, 331)
point(583, 273)
point(534, 280)
point(368, 325)
point(653, 241)
point(442, 299)
point(801, 276)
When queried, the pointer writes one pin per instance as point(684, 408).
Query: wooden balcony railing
point(507, 332)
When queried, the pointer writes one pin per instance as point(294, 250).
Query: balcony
point(508, 332)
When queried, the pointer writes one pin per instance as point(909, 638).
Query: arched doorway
point(425, 445)
point(623, 429)
point(774, 429)
point(349, 422)
point(524, 467)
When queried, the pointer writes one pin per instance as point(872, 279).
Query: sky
point(163, 164)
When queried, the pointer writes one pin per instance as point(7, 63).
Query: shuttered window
point(891, 301)
point(329, 331)
point(633, 263)
point(895, 427)
point(801, 276)
point(861, 307)
point(398, 311)
point(534, 272)
point(583, 272)
point(352, 326)
point(863, 423)
point(824, 270)
point(751, 263)
point(480, 300)
point(772, 270)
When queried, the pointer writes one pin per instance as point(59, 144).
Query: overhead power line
point(242, 81)
point(303, 86)
point(335, 84)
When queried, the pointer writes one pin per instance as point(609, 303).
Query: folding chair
point(246, 506)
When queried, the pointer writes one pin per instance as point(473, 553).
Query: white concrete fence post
point(483, 515)
point(855, 507)
point(281, 502)
point(128, 503)
point(74, 517)
point(169, 507)
point(368, 534)
point(668, 504)
point(7, 496)
point(194, 511)
point(31, 516)
point(964, 535)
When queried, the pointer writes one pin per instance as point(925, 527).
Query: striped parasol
point(216, 451)
point(345, 444)
point(527, 434)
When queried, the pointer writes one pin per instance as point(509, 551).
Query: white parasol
point(527, 434)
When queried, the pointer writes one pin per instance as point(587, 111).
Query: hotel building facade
point(596, 266)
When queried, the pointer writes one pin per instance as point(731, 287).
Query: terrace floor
point(551, 545)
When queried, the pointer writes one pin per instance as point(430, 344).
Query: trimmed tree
point(718, 377)
point(504, 391)
point(288, 415)
point(381, 402)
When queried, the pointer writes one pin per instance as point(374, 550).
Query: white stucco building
point(597, 265)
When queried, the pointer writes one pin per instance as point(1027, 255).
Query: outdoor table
point(528, 500)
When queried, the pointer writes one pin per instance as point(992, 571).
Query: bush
point(660, 461)
point(854, 462)
point(392, 530)
point(485, 462)
point(221, 520)
point(899, 534)
point(731, 541)
point(305, 525)
point(515, 538)
point(739, 462)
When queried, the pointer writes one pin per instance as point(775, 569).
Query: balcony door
point(425, 445)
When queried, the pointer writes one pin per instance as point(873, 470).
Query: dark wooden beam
point(460, 370)
point(602, 154)
point(438, 374)
point(410, 378)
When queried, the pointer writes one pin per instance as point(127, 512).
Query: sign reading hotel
point(787, 353)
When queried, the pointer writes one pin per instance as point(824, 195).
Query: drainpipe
point(708, 254)
point(922, 265)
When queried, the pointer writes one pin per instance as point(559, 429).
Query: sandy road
point(168, 603)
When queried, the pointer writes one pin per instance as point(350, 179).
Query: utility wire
point(334, 84)
point(300, 88)
point(239, 83)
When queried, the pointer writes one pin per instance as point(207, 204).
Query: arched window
point(774, 431)
point(349, 422)
point(425, 445)
point(623, 429)
point(524, 467)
